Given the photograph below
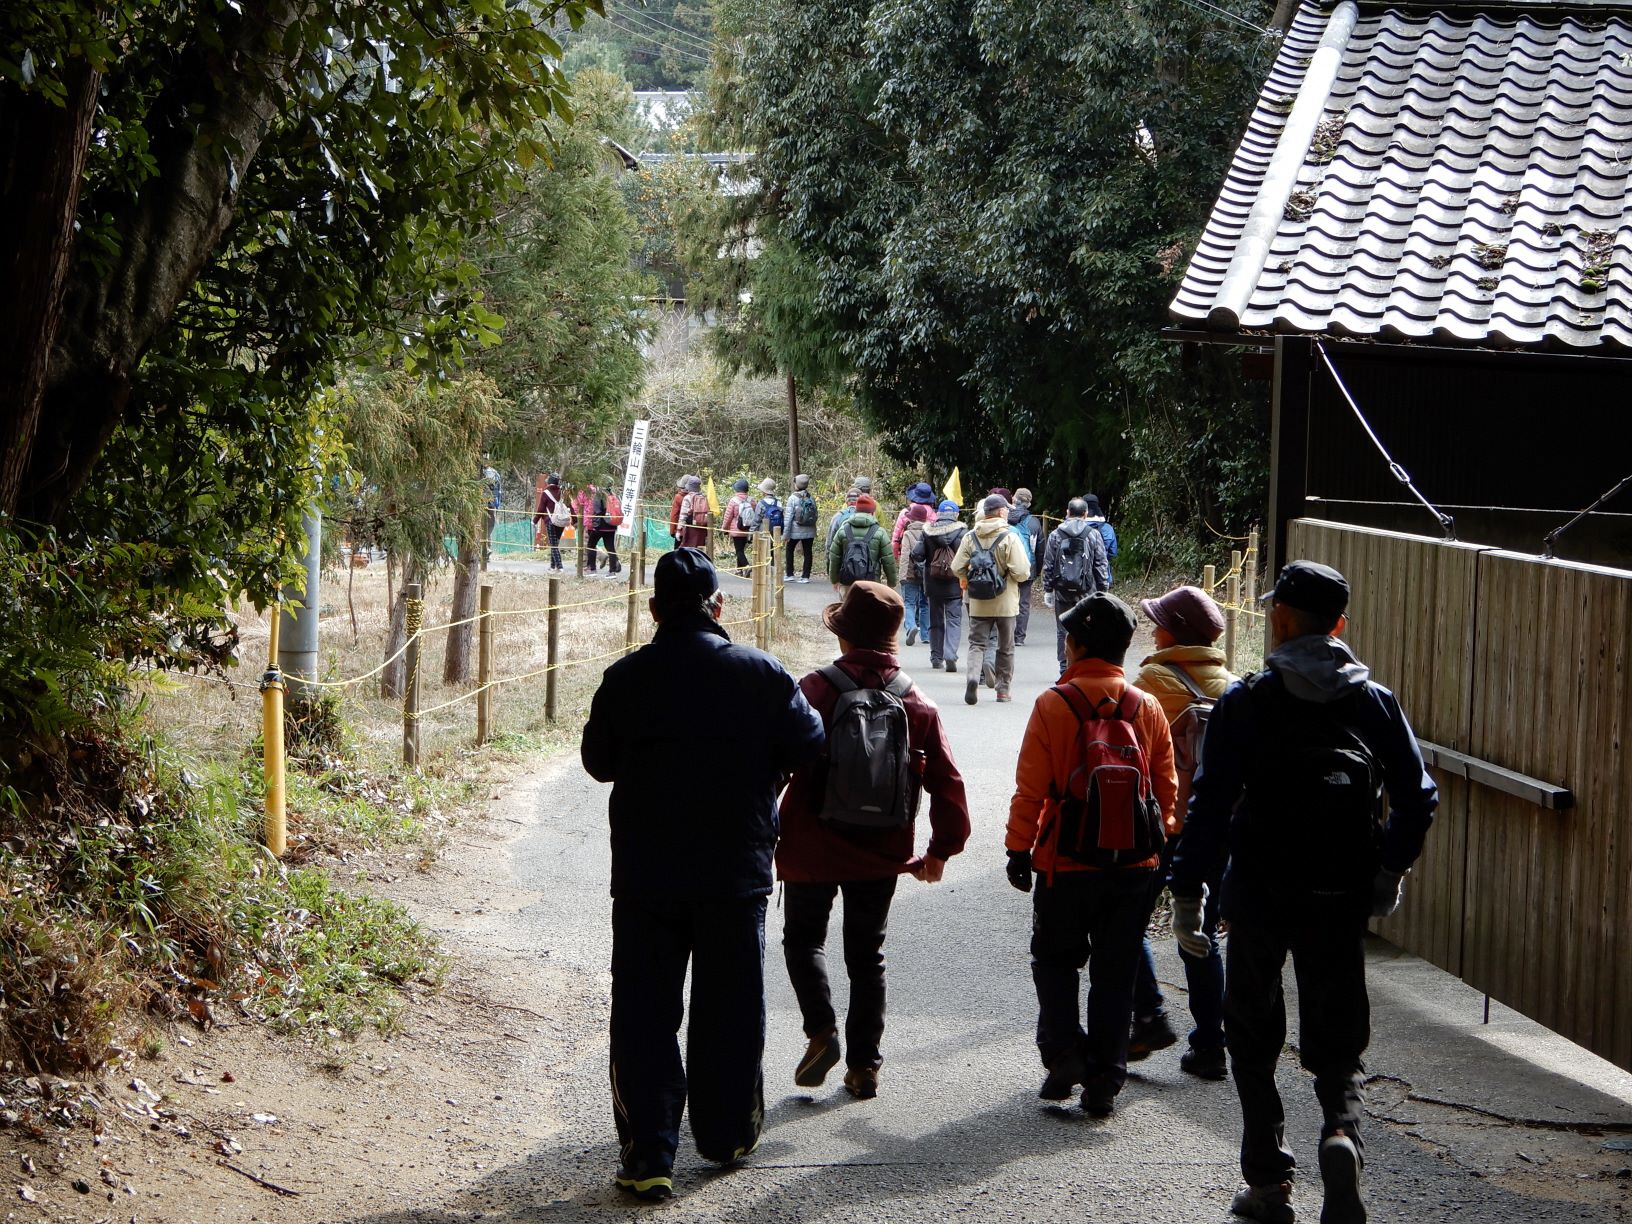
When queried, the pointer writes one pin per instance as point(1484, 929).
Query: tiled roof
point(1457, 174)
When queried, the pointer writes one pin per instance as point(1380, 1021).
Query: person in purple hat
point(1187, 675)
point(920, 510)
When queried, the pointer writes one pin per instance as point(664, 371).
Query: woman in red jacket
point(823, 853)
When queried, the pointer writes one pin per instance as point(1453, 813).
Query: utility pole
point(297, 644)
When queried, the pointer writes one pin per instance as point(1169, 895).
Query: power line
point(658, 44)
point(1206, 6)
point(649, 21)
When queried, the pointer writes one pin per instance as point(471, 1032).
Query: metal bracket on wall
point(1508, 781)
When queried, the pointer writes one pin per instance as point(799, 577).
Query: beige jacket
point(994, 533)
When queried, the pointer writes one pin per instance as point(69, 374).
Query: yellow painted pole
point(277, 828)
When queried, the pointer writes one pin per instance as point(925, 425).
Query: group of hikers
point(1255, 801)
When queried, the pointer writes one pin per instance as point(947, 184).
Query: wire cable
point(1447, 524)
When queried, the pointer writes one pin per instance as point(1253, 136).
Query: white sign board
point(632, 479)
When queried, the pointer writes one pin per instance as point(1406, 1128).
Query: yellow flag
point(713, 498)
point(954, 488)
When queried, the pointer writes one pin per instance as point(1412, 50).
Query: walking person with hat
point(803, 515)
point(741, 519)
point(919, 510)
point(691, 872)
point(1074, 567)
point(1093, 789)
point(942, 588)
point(555, 514)
point(848, 829)
point(991, 560)
point(860, 551)
point(1187, 674)
point(1285, 806)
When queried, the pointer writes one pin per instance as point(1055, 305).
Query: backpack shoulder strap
point(1128, 708)
point(838, 678)
point(1077, 700)
point(899, 686)
point(1188, 681)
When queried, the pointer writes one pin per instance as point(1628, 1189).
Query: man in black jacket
point(1292, 768)
point(691, 871)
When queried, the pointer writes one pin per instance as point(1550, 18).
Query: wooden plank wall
point(1411, 620)
point(1548, 927)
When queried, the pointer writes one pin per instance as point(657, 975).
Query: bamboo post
point(762, 626)
point(1231, 606)
point(552, 649)
point(631, 624)
point(641, 545)
point(272, 744)
point(484, 665)
point(414, 609)
point(578, 534)
point(1209, 578)
point(1249, 584)
point(778, 548)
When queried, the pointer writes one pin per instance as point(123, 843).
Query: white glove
point(1048, 599)
point(1193, 941)
point(1387, 891)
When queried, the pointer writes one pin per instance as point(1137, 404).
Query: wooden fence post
point(631, 625)
point(778, 567)
point(552, 649)
point(1209, 578)
point(762, 564)
point(579, 533)
point(484, 665)
point(414, 615)
point(1233, 602)
point(1249, 585)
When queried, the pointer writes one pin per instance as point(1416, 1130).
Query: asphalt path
point(957, 1130)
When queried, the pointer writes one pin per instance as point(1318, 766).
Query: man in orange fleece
point(1090, 803)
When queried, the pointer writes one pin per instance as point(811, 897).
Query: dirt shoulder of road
point(238, 1123)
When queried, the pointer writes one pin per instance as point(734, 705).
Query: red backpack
point(1109, 815)
point(614, 512)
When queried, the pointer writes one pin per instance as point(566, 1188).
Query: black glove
point(1020, 869)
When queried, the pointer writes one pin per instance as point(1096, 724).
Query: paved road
point(957, 1130)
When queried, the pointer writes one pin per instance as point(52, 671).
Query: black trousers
point(804, 940)
point(609, 537)
point(740, 542)
point(652, 942)
point(1328, 953)
point(795, 544)
point(1094, 919)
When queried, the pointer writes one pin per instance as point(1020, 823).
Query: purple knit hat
point(1188, 613)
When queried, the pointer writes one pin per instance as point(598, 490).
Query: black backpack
point(986, 579)
point(1074, 562)
point(1313, 810)
point(872, 773)
point(856, 563)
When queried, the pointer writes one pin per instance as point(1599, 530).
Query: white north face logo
point(1338, 778)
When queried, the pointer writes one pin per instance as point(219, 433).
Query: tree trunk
point(1285, 10)
point(45, 149)
point(394, 679)
point(793, 429)
point(466, 580)
point(205, 129)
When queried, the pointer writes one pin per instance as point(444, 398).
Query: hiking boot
point(1003, 696)
point(861, 1082)
point(1205, 1064)
point(647, 1185)
point(988, 675)
point(821, 1056)
point(1340, 1171)
point(1149, 1034)
point(1064, 1074)
point(952, 665)
point(1267, 1204)
point(1098, 1100)
point(912, 636)
point(971, 695)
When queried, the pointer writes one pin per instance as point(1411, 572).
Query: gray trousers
point(945, 621)
point(982, 631)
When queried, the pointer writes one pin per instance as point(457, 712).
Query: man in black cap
point(1295, 760)
point(691, 871)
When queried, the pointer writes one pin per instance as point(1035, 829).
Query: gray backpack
point(872, 772)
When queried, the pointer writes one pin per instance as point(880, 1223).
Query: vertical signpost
point(632, 474)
